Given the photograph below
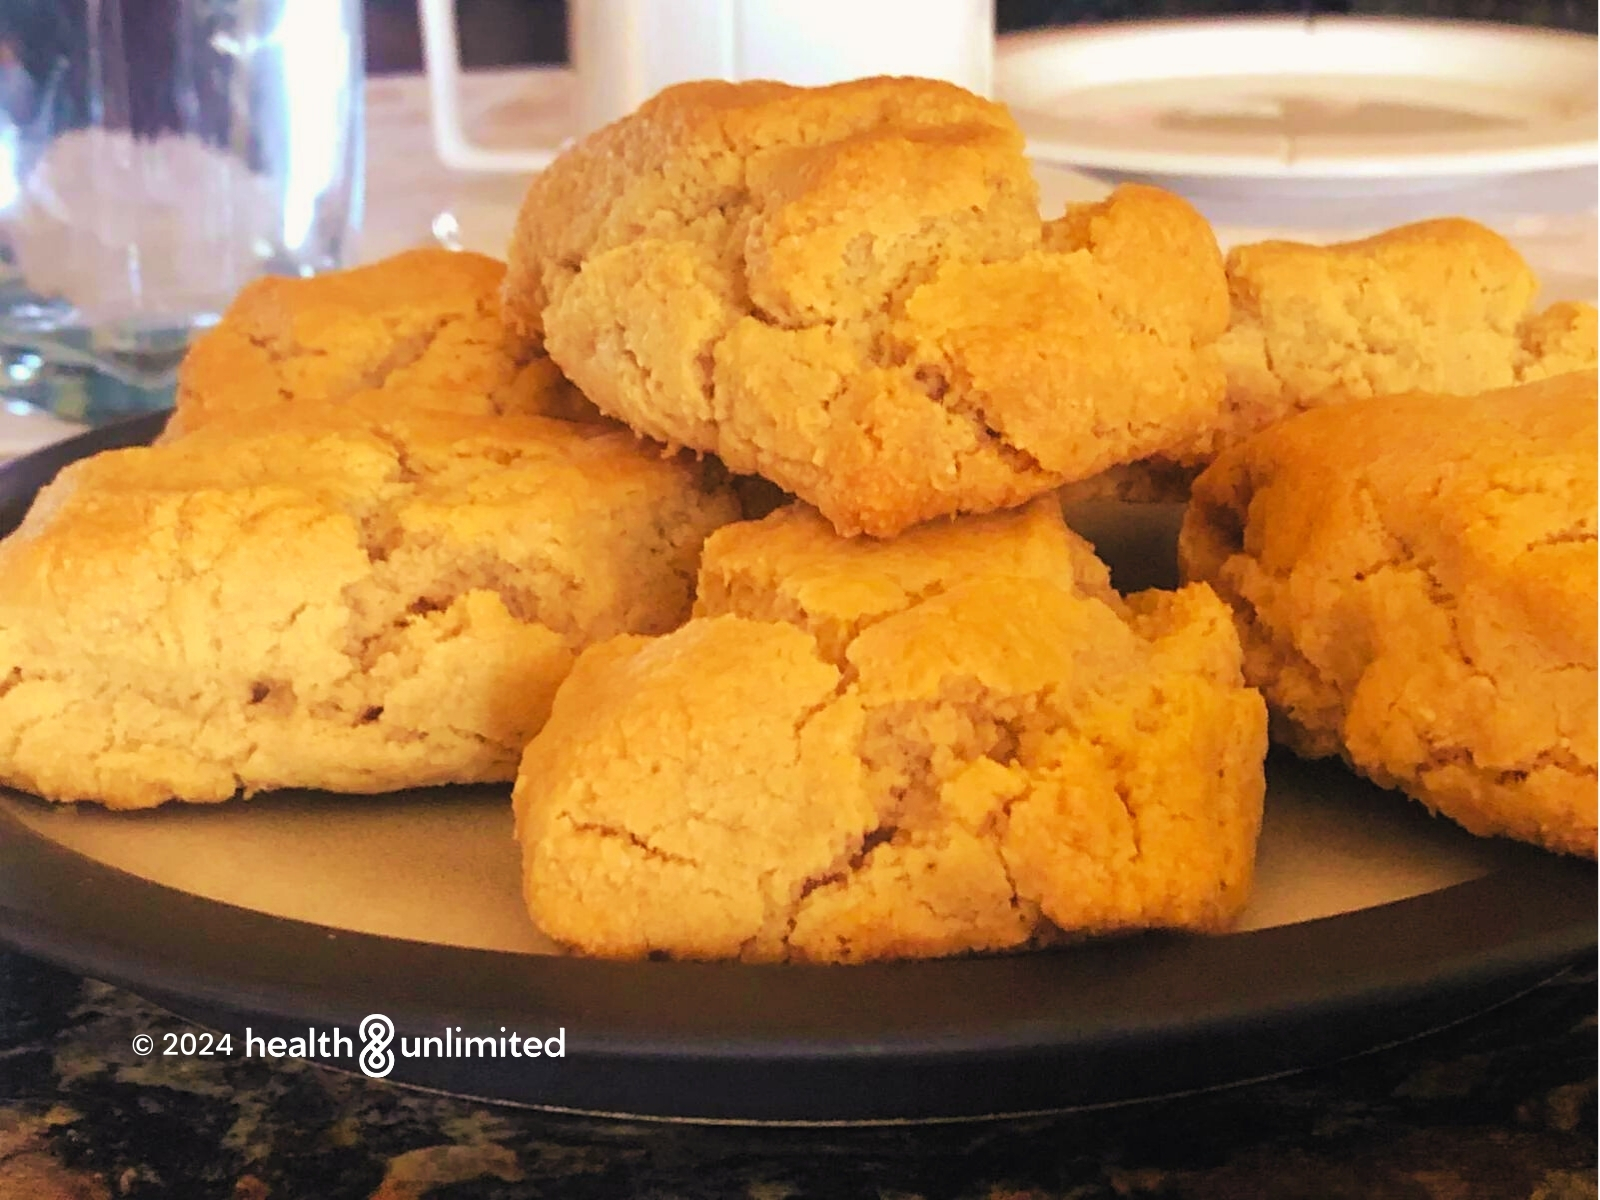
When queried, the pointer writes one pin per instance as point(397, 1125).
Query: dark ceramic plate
point(1095, 1023)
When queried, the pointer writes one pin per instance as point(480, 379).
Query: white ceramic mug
point(624, 51)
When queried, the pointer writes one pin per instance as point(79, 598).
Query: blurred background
point(505, 32)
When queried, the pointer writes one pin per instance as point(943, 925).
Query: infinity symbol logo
point(377, 1031)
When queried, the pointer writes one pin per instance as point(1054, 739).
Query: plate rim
point(1264, 1002)
point(806, 1043)
point(1571, 144)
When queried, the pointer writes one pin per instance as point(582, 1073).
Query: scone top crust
point(1441, 306)
point(413, 486)
point(790, 566)
point(695, 151)
point(1414, 580)
point(848, 290)
point(424, 324)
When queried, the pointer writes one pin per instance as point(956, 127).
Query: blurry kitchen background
point(505, 32)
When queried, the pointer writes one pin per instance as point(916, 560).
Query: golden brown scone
point(848, 291)
point(970, 760)
point(1439, 306)
point(1414, 583)
point(423, 326)
point(329, 600)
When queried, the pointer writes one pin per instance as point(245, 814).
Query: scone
point(1414, 584)
point(338, 601)
point(957, 741)
point(423, 326)
point(848, 290)
point(1440, 306)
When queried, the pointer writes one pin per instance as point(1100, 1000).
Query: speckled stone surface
point(1502, 1105)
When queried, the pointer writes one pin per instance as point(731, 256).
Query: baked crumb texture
point(1440, 306)
point(346, 602)
point(1414, 585)
point(848, 291)
point(961, 740)
point(423, 327)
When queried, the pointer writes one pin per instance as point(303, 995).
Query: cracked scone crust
point(1440, 306)
point(790, 567)
point(848, 291)
point(1414, 584)
point(977, 764)
point(347, 603)
point(423, 326)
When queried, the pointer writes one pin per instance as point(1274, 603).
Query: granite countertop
point(1501, 1105)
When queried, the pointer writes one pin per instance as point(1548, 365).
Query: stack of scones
point(725, 519)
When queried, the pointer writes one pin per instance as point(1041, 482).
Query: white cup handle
point(442, 57)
